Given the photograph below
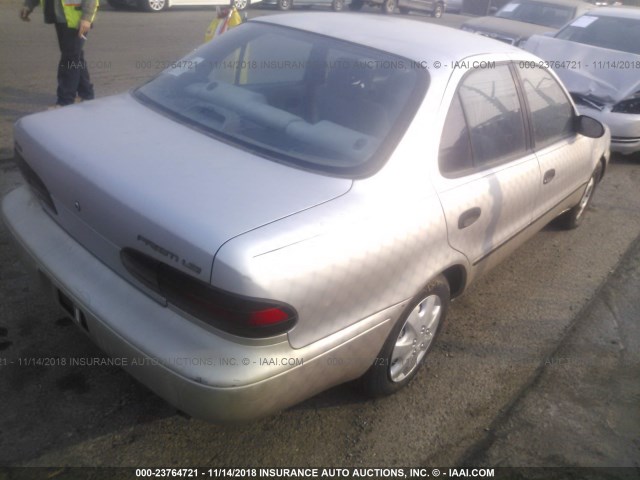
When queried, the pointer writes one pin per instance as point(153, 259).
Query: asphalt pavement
point(582, 408)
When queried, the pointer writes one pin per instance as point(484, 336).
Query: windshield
point(540, 13)
point(293, 96)
point(622, 34)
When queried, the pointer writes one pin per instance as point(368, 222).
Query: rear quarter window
point(552, 114)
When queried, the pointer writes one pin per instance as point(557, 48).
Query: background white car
point(160, 5)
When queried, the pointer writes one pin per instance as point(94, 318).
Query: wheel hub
point(415, 337)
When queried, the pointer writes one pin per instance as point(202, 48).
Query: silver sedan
point(294, 205)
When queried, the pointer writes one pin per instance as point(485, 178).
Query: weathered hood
point(122, 175)
point(599, 73)
point(507, 28)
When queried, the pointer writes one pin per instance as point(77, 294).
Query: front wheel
point(337, 5)
point(410, 339)
point(153, 5)
point(573, 218)
point(438, 10)
point(284, 4)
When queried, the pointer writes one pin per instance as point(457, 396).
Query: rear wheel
point(438, 10)
point(337, 5)
point(153, 5)
point(240, 4)
point(573, 218)
point(284, 4)
point(388, 6)
point(410, 339)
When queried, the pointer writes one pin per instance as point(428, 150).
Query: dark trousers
point(73, 75)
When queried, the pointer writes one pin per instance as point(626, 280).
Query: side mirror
point(589, 127)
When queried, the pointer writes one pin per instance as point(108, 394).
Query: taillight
point(34, 181)
point(269, 316)
point(236, 314)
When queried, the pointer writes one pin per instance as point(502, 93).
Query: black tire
point(153, 5)
point(387, 374)
point(356, 5)
point(388, 6)
point(337, 5)
point(240, 4)
point(285, 4)
point(573, 218)
point(438, 10)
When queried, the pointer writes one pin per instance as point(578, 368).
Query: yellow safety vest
point(72, 11)
point(220, 25)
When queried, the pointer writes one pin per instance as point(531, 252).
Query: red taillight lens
point(269, 316)
point(237, 314)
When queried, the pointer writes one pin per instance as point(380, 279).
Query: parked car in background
point(160, 5)
point(605, 3)
point(519, 19)
point(435, 8)
point(598, 58)
point(454, 6)
point(336, 5)
point(294, 204)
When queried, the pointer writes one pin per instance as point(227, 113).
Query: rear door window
point(485, 124)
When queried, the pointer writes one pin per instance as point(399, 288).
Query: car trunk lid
point(122, 175)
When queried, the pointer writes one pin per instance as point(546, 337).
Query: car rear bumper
point(200, 371)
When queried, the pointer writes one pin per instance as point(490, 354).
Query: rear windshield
point(293, 96)
point(540, 13)
point(622, 34)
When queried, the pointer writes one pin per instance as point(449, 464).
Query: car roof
point(621, 12)
point(408, 38)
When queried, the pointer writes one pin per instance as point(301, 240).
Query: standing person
point(73, 20)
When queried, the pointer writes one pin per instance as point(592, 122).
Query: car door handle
point(469, 217)
point(548, 176)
